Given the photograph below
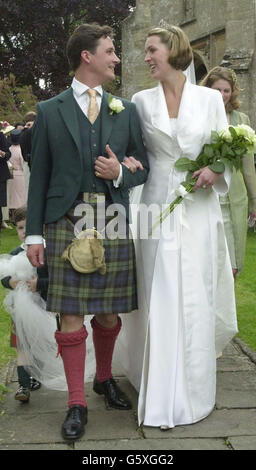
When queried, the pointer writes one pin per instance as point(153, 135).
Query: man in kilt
point(80, 139)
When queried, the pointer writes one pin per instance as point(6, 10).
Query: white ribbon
point(182, 211)
point(181, 191)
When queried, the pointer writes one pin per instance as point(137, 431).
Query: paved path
point(231, 426)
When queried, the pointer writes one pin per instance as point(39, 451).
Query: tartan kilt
point(74, 293)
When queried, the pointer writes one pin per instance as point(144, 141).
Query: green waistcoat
point(90, 135)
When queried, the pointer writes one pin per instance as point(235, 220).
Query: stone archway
point(200, 66)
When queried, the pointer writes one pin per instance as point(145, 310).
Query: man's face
point(104, 60)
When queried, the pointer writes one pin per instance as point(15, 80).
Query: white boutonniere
point(115, 105)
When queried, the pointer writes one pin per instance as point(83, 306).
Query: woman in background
point(234, 204)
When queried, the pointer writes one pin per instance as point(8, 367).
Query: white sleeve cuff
point(223, 183)
point(34, 240)
point(119, 180)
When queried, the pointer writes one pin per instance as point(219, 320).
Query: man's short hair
point(85, 37)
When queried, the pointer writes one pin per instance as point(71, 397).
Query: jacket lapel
point(160, 116)
point(107, 121)
point(68, 113)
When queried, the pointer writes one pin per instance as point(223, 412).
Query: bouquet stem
point(189, 186)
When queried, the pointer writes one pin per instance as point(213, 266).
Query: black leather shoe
point(114, 397)
point(74, 424)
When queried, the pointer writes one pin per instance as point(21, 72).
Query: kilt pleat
point(74, 293)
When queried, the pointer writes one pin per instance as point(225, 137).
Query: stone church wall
point(222, 32)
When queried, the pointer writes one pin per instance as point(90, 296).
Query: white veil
point(190, 73)
point(35, 327)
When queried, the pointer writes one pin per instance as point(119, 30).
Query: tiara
point(164, 25)
point(167, 26)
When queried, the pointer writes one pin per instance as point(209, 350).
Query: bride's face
point(157, 55)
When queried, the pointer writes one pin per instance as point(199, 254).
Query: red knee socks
point(104, 341)
point(73, 350)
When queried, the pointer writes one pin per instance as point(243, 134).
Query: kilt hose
point(74, 293)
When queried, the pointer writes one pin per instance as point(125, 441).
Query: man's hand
point(107, 168)
point(206, 178)
point(35, 254)
point(132, 164)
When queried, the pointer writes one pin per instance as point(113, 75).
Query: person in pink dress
point(17, 193)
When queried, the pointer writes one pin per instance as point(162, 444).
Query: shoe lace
point(74, 413)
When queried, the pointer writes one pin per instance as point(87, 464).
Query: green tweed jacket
point(242, 188)
point(56, 171)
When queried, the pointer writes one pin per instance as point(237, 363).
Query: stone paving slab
point(243, 443)
point(42, 400)
point(31, 429)
point(236, 390)
point(221, 423)
point(235, 364)
point(154, 444)
point(232, 424)
point(45, 427)
point(11, 447)
point(45, 400)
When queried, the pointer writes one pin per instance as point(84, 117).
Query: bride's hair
point(181, 53)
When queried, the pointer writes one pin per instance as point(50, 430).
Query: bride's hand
point(132, 164)
point(206, 178)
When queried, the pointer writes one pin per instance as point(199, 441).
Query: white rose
point(225, 135)
point(116, 105)
point(248, 133)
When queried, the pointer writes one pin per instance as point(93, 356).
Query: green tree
point(33, 37)
point(15, 101)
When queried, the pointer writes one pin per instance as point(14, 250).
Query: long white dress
point(187, 311)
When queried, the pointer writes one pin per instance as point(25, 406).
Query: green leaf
point(241, 151)
point(224, 150)
point(214, 137)
point(189, 176)
point(228, 162)
point(217, 167)
point(184, 164)
point(208, 151)
point(230, 152)
point(233, 132)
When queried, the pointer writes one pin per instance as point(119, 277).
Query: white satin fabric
point(187, 311)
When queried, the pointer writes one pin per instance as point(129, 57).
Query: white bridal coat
point(187, 309)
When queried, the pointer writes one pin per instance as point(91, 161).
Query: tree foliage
point(33, 37)
point(15, 101)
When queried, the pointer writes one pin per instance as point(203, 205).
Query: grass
point(245, 297)
point(8, 241)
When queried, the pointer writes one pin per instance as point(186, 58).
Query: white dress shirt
point(82, 98)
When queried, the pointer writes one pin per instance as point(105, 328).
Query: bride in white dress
point(187, 311)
